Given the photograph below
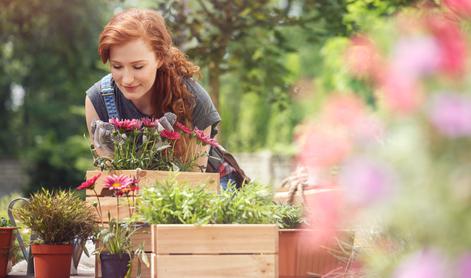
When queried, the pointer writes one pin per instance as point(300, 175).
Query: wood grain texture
point(213, 266)
point(215, 239)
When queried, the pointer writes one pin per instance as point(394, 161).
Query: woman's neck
point(144, 105)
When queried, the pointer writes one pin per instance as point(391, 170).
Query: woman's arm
point(91, 116)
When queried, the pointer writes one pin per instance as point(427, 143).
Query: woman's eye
point(116, 67)
point(138, 67)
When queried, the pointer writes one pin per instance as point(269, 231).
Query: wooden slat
point(142, 236)
point(214, 239)
point(212, 266)
point(108, 204)
point(150, 177)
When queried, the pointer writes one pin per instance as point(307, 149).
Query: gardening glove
point(167, 121)
point(102, 136)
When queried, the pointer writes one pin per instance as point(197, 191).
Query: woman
point(149, 77)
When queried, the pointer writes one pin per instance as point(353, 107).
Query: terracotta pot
point(52, 261)
point(299, 256)
point(6, 240)
point(114, 265)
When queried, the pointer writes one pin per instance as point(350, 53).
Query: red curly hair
point(169, 93)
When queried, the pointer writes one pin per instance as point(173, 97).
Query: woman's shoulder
point(201, 95)
point(204, 113)
point(94, 94)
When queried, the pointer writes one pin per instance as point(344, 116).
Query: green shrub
point(57, 218)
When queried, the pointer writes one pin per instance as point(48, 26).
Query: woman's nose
point(128, 77)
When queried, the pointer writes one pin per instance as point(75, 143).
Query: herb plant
point(170, 202)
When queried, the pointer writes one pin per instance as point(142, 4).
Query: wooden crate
point(214, 251)
point(142, 236)
point(299, 256)
point(147, 178)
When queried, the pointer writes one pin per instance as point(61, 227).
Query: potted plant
point(115, 246)
point(6, 242)
point(304, 249)
point(144, 149)
point(57, 219)
point(202, 232)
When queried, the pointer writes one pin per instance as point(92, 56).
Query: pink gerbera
point(205, 139)
point(118, 183)
point(183, 128)
point(171, 135)
point(148, 122)
point(126, 124)
point(132, 187)
point(90, 183)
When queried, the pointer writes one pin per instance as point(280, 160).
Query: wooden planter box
point(214, 251)
point(299, 258)
point(147, 178)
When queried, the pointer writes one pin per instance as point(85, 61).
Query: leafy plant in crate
point(57, 219)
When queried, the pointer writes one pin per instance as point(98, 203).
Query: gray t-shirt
point(204, 113)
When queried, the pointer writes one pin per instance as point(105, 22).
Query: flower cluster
point(403, 163)
point(144, 143)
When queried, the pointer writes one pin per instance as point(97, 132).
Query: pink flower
point(90, 183)
point(147, 122)
point(205, 139)
point(171, 135)
point(365, 181)
point(450, 113)
point(126, 124)
point(423, 264)
point(323, 146)
point(183, 128)
point(451, 42)
point(133, 186)
point(345, 110)
point(400, 93)
point(117, 183)
point(362, 57)
point(415, 56)
point(461, 7)
point(464, 266)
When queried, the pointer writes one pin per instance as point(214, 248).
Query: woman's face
point(133, 67)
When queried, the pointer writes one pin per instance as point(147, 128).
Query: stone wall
point(12, 178)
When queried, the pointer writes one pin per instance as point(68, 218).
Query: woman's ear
point(160, 62)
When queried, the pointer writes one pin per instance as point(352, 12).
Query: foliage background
point(267, 63)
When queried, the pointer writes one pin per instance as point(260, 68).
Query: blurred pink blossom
point(325, 211)
point(365, 181)
point(450, 113)
point(451, 42)
point(400, 93)
point(351, 113)
point(423, 264)
point(415, 56)
point(323, 146)
point(346, 110)
point(464, 266)
point(362, 57)
point(461, 7)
